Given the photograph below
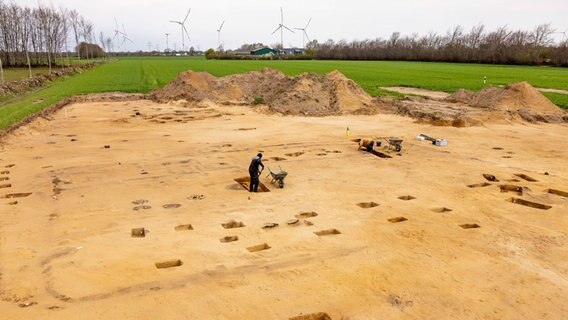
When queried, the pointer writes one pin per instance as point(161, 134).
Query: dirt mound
point(515, 96)
point(460, 96)
point(306, 94)
point(514, 101)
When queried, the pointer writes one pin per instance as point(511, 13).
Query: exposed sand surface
point(432, 94)
point(358, 236)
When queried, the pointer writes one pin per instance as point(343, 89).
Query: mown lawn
point(142, 74)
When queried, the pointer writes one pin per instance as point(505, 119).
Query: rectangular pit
point(380, 154)
point(511, 188)
point(229, 239)
point(558, 192)
point(15, 195)
point(366, 205)
point(397, 219)
point(259, 247)
point(233, 224)
point(525, 177)
point(312, 316)
point(479, 185)
point(138, 233)
point(327, 232)
point(183, 227)
point(305, 215)
point(530, 204)
point(168, 264)
point(490, 177)
point(470, 226)
point(245, 183)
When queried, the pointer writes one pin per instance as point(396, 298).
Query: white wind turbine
point(563, 34)
point(219, 34)
point(167, 41)
point(183, 29)
point(281, 27)
point(122, 33)
point(304, 33)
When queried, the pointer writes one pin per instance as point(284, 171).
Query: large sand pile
point(306, 94)
point(513, 101)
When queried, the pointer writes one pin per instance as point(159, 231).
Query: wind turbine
point(304, 33)
point(125, 36)
point(183, 29)
point(281, 27)
point(563, 34)
point(167, 44)
point(219, 34)
point(116, 33)
point(122, 33)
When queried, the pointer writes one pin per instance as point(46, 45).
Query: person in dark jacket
point(254, 172)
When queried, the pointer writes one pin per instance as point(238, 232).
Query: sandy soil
point(552, 90)
point(66, 249)
point(437, 95)
point(432, 94)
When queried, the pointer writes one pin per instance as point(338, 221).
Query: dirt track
point(66, 250)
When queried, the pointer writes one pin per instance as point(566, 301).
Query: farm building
point(291, 51)
point(263, 51)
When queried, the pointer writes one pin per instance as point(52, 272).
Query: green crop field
point(142, 74)
point(12, 74)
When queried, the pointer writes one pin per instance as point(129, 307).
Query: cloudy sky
point(252, 21)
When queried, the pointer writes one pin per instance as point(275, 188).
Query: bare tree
point(74, 20)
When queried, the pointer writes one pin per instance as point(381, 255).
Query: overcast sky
point(252, 21)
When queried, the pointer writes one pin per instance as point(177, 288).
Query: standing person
point(254, 172)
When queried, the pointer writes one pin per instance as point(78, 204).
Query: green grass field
point(12, 74)
point(142, 74)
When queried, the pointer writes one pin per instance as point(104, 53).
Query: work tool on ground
point(277, 176)
point(394, 143)
point(435, 141)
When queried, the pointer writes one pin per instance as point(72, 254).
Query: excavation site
point(138, 206)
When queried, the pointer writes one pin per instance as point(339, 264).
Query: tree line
point(39, 36)
point(501, 46)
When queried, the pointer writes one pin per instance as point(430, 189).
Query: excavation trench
point(511, 188)
point(558, 192)
point(525, 177)
point(304, 215)
point(530, 204)
point(233, 224)
point(138, 233)
point(479, 185)
point(15, 195)
point(245, 183)
point(229, 239)
point(183, 227)
point(168, 264)
point(327, 232)
point(366, 205)
point(380, 154)
point(259, 247)
point(470, 226)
